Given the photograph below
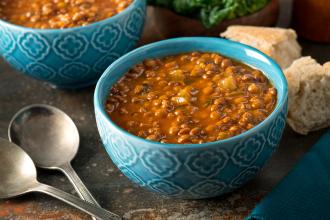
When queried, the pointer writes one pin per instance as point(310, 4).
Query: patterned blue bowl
point(192, 171)
point(73, 57)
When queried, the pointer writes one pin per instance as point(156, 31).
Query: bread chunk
point(278, 43)
point(309, 95)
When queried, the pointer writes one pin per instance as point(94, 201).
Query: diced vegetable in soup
point(190, 98)
point(58, 14)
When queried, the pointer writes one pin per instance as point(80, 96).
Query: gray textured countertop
point(114, 191)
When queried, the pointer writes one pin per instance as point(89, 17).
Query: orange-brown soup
point(191, 98)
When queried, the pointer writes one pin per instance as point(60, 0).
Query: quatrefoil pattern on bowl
point(160, 162)
point(103, 62)
point(131, 175)
point(15, 63)
point(248, 150)
point(208, 188)
point(207, 163)
point(132, 22)
point(7, 41)
point(71, 46)
point(165, 187)
point(122, 150)
point(34, 46)
point(73, 70)
point(107, 37)
point(244, 176)
point(276, 129)
point(43, 71)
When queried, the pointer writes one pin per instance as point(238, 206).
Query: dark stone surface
point(110, 188)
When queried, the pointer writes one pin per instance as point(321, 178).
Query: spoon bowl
point(18, 173)
point(46, 133)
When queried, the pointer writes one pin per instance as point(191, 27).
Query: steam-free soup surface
point(190, 98)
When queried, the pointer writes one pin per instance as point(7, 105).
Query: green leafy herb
point(188, 81)
point(145, 87)
point(208, 103)
point(212, 12)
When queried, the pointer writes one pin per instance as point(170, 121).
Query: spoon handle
point(78, 184)
point(76, 202)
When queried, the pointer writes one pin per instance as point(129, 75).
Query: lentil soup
point(58, 14)
point(195, 98)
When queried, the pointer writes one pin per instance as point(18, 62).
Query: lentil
point(177, 104)
point(58, 14)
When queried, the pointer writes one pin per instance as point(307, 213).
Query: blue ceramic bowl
point(73, 57)
point(192, 170)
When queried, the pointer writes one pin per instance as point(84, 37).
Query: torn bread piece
point(309, 95)
point(278, 43)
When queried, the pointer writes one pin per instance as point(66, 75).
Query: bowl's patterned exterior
point(192, 173)
point(74, 57)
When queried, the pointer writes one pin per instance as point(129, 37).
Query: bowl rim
point(98, 105)
point(52, 30)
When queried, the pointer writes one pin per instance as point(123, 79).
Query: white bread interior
point(309, 95)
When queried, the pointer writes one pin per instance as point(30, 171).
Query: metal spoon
point(51, 138)
point(19, 176)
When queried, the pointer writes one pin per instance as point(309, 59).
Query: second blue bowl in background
point(73, 57)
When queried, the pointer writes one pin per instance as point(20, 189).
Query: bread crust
point(278, 43)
